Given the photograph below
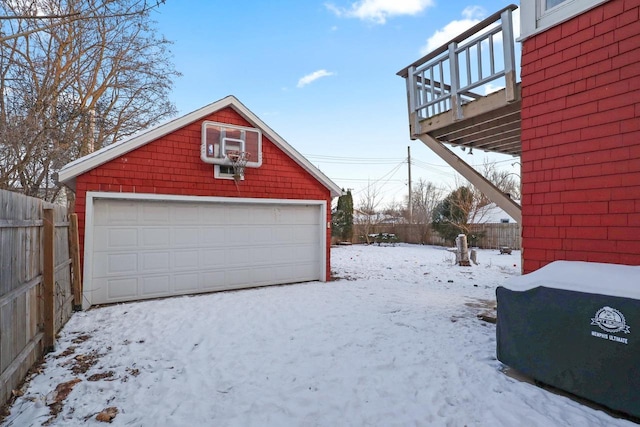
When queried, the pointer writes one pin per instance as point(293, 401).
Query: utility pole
point(409, 204)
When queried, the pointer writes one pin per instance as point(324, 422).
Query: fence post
point(74, 248)
point(48, 276)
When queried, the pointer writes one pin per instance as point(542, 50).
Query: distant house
point(492, 214)
point(360, 217)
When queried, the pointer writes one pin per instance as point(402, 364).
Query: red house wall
point(581, 139)
point(172, 165)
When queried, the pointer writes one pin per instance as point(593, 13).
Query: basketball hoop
point(239, 161)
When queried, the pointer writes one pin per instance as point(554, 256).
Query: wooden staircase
point(447, 105)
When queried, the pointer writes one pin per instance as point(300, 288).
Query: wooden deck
point(448, 104)
point(489, 123)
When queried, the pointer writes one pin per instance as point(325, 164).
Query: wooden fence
point(36, 291)
point(492, 236)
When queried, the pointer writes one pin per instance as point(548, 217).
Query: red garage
point(171, 211)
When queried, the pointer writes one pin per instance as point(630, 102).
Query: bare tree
point(77, 86)
point(507, 182)
point(48, 19)
point(368, 215)
point(425, 196)
point(395, 211)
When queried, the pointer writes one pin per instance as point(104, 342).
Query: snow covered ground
point(395, 342)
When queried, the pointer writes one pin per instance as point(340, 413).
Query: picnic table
point(380, 238)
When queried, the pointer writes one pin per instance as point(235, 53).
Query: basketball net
point(239, 161)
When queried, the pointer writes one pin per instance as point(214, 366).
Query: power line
point(392, 172)
point(324, 156)
point(353, 160)
point(415, 161)
point(365, 180)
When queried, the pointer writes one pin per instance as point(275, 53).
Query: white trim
point(535, 20)
point(70, 171)
point(89, 218)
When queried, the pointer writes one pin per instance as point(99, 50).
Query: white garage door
point(148, 249)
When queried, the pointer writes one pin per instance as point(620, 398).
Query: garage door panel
point(280, 254)
point(119, 289)
point(262, 234)
point(237, 277)
point(299, 216)
point(304, 253)
point(288, 216)
point(185, 260)
point(261, 215)
point(188, 214)
point(123, 213)
point(236, 257)
point(155, 213)
point(238, 236)
point(155, 262)
point(145, 249)
point(185, 283)
point(124, 237)
point(304, 234)
point(260, 254)
point(155, 237)
point(262, 275)
point(211, 280)
point(237, 215)
point(213, 236)
point(301, 271)
point(185, 237)
point(210, 215)
point(155, 285)
point(283, 236)
point(110, 264)
point(121, 237)
point(212, 258)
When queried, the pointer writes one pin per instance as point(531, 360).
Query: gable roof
point(67, 175)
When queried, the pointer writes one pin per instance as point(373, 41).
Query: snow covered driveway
point(396, 342)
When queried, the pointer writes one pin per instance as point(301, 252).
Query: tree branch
point(76, 16)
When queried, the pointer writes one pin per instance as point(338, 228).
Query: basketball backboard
point(221, 139)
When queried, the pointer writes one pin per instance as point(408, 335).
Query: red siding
point(172, 165)
point(581, 139)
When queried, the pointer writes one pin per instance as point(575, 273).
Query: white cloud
point(490, 88)
point(378, 11)
point(470, 16)
point(309, 78)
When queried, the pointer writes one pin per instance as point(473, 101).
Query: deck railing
point(445, 79)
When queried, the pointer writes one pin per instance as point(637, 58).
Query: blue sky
point(323, 76)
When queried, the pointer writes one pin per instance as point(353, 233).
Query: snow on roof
point(492, 214)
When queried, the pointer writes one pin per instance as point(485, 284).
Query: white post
point(509, 55)
point(454, 69)
point(462, 251)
